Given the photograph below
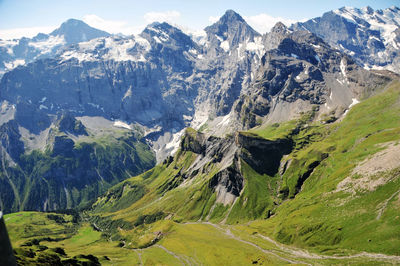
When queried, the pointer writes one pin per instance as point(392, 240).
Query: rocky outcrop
point(10, 141)
point(6, 251)
point(227, 184)
point(193, 141)
point(263, 155)
point(68, 124)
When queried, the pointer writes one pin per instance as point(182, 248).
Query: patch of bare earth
point(370, 173)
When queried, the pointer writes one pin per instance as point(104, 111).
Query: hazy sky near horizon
point(28, 17)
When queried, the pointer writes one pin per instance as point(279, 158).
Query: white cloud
point(213, 19)
point(111, 26)
point(170, 16)
point(29, 32)
point(264, 22)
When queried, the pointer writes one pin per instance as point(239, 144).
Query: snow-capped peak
point(385, 21)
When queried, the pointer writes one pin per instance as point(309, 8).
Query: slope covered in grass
point(336, 207)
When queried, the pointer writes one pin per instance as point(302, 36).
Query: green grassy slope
point(323, 217)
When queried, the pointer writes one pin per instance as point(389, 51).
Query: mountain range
point(244, 128)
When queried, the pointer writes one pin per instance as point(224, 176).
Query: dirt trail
point(269, 252)
point(182, 260)
point(385, 203)
point(301, 253)
point(139, 253)
point(305, 254)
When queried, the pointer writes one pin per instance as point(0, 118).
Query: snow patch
point(354, 102)
point(157, 39)
point(118, 50)
point(94, 105)
point(187, 117)
point(200, 117)
point(91, 45)
point(225, 45)
point(327, 106)
point(111, 48)
point(385, 21)
point(193, 51)
point(47, 46)
point(78, 55)
point(343, 68)
point(224, 121)
point(14, 64)
point(174, 143)
point(219, 38)
point(121, 124)
point(253, 47)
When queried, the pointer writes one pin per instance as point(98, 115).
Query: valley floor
point(191, 243)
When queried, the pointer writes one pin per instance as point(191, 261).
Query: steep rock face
point(230, 44)
point(193, 141)
point(149, 91)
point(227, 183)
point(6, 251)
point(11, 145)
point(367, 35)
point(263, 155)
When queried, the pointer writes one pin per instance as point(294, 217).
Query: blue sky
point(27, 17)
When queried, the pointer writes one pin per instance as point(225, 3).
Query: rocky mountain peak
point(272, 39)
point(75, 31)
point(231, 27)
point(231, 16)
point(369, 10)
point(279, 27)
point(166, 34)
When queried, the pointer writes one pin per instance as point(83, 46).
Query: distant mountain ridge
point(371, 37)
point(25, 50)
